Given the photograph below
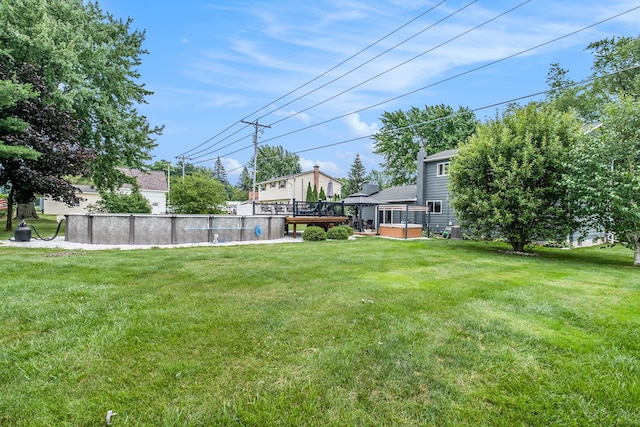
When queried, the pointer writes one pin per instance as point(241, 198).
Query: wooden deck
point(325, 222)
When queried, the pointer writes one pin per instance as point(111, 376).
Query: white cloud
point(358, 127)
point(303, 117)
point(232, 166)
point(329, 168)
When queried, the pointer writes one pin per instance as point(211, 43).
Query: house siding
point(437, 189)
point(295, 187)
point(431, 187)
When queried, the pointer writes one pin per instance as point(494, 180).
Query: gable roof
point(442, 155)
point(399, 193)
point(151, 180)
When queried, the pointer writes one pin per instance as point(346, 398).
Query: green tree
point(356, 178)
point(89, 64)
point(219, 172)
point(51, 132)
point(116, 202)
point(322, 195)
point(506, 179)
point(245, 182)
point(235, 193)
point(11, 93)
point(274, 161)
point(604, 178)
point(311, 196)
point(198, 194)
point(378, 177)
point(614, 74)
point(437, 128)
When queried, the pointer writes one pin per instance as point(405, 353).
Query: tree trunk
point(9, 225)
point(26, 211)
point(636, 253)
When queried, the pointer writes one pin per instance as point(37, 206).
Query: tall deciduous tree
point(506, 179)
point(274, 161)
point(604, 179)
point(198, 194)
point(604, 167)
point(89, 65)
point(51, 132)
point(437, 128)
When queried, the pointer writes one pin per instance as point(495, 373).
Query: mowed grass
point(350, 333)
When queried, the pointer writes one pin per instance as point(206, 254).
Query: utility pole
point(255, 151)
point(183, 159)
point(169, 183)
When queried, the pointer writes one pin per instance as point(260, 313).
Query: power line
point(485, 107)
point(367, 62)
point(440, 81)
point(257, 126)
point(452, 77)
point(386, 71)
point(317, 77)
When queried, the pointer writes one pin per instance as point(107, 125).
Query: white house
point(284, 189)
point(153, 186)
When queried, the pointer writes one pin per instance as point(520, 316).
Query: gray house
point(433, 190)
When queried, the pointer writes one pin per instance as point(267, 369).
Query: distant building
point(284, 189)
point(153, 186)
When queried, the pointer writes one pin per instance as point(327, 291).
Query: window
point(435, 206)
point(273, 185)
point(443, 169)
point(263, 187)
point(283, 184)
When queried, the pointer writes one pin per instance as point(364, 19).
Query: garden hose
point(47, 238)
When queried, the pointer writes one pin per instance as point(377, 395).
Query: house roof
point(151, 180)
point(442, 155)
point(295, 175)
point(86, 188)
point(397, 194)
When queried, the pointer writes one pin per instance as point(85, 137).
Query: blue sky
point(214, 63)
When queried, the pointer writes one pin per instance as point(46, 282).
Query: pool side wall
point(122, 229)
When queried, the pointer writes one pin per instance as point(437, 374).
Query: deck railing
point(320, 208)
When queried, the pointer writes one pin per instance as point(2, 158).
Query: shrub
point(346, 228)
point(314, 233)
point(338, 233)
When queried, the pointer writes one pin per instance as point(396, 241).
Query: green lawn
point(350, 333)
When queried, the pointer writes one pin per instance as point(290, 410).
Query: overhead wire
point(451, 77)
point(376, 76)
point(433, 84)
point(317, 77)
point(407, 61)
point(367, 62)
point(449, 116)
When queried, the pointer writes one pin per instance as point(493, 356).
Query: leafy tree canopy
point(272, 162)
point(198, 194)
point(88, 63)
point(436, 128)
point(604, 178)
point(506, 179)
point(116, 202)
point(51, 132)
